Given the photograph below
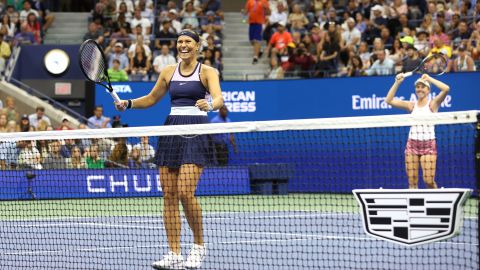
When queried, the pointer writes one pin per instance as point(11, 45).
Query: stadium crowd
point(323, 38)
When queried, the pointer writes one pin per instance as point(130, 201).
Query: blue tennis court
point(235, 240)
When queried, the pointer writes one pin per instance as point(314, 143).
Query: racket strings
point(435, 65)
point(92, 62)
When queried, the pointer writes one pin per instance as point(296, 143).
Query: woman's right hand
point(121, 106)
point(399, 78)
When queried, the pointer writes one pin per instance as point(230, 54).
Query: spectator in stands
point(97, 14)
point(3, 122)
point(67, 148)
point(135, 161)
point(115, 51)
point(351, 36)
point(165, 37)
point(147, 152)
point(122, 11)
point(7, 27)
point(54, 159)
point(44, 15)
point(278, 14)
point(473, 43)
point(29, 157)
point(128, 5)
point(411, 60)
point(213, 21)
point(398, 8)
point(98, 120)
point(189, 16)
point(279, 41)
point(302, 62)
point(397, 54)
point(422, 44)
point(92, 159)
point(117, 74)
point(119, 156)
point(439, 33)
point(12, 126)
point(328, 52)
point(257, 11)
point(27, 9)
point(139, 42)
point(222, 141)
point(213, 6)
point(426, 24)
point(440, 47)
point(25, 125)
point(297, 20)
point(34, 27)
point(463, 61)
point(381, 66)
point(146, 10)
point(176, 24)
point(355, 67)
point(378, 21)
point(76, 161)
point(140, 65)
point(9, 151)
point(5, 52)
point(13, 13)
point(462, 33)
point(361, 23)
point(162, 60)
point(139, 20)
point(276, 71)
point(39, 115)
point(94, 33)
point(10, 110)
point(65, 124)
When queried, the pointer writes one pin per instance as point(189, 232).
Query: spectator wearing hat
point(214, 21)
point(377, 21)
point(411, 60)
point(176, 24)
point(38, 116)
point(25, 125)
point(115, 51)
point(463, 61)
point(407, 41)
point(139, 20)
point(279, 41)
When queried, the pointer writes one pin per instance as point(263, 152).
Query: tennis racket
point(94, 66)
point(434, 65)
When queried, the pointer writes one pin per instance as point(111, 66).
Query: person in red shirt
point(256, 10)
point(279, 41)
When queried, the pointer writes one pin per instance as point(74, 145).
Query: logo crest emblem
point(412, 216)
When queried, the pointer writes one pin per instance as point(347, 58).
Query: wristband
point(129, 104)
point(210, 106)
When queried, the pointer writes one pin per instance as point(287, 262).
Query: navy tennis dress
point(173, 151)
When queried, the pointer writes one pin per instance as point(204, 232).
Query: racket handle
point(114, 96)
point(407, 74)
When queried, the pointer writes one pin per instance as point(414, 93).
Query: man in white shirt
point(176, 24)
point(351, 35)
point(382, 66)
point(27, 9)
point(144, 22)
point(147, 153)
point(162, 60)
point(38, 116)
point(280, 15)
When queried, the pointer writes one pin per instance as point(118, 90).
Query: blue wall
point(297, 99)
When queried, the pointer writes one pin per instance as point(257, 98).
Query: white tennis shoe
point(196, 256)
point(170, 261)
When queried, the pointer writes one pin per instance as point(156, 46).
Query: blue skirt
point(173, 151)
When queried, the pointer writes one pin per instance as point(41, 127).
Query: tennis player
point(194, 90)
point(421, 145)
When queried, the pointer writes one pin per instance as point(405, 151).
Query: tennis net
point(280, 199)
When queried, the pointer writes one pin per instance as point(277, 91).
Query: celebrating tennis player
point(421, 145)
point(181, 159)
